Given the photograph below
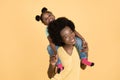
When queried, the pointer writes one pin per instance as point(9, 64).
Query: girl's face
point(47, 18)
point(68, 36)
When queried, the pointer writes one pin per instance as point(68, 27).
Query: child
point(62, 32)
point(46, 17)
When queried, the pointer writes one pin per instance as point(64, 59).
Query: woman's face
point(68, 36)
point(47, 18)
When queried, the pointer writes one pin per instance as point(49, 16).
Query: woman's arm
point(51, 71)
point(52, 67)
point(53, 59)
point(66, 62)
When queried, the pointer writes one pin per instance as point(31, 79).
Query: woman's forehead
point(65, 31)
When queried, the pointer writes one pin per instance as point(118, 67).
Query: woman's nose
point(72, 36)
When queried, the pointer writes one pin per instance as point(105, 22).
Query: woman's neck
point(68, 48)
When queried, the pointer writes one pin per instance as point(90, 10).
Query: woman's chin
point(74, 43)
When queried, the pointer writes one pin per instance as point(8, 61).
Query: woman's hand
point(53, 59)
point(85, 46)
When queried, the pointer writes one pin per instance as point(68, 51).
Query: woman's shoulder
point(60, 49)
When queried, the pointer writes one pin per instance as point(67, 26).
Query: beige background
point(23, 54)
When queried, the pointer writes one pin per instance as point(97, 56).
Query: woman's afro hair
point(55, 27)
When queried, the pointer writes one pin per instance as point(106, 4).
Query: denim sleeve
point(47, 34)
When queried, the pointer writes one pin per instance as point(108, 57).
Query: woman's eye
point(49, 15)
point(66, 37)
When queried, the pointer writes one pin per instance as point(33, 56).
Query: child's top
point(71, 65)
point(47, 34)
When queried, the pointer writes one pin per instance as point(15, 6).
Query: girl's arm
point(85, 45)
point(79, 35)
point(52, 45)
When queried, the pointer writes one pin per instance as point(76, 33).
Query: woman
point(62, 32)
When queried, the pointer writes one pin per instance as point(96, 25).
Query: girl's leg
point(82, 55)
point(59, 64)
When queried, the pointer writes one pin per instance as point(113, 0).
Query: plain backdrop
point(23, 42)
